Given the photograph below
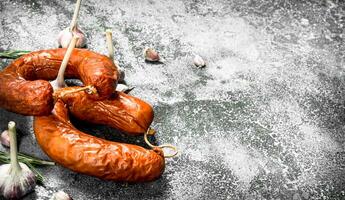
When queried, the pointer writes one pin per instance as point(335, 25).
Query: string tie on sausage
point(88, 89)
point(151, 131)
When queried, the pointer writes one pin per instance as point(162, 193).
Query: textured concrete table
point(263, 120)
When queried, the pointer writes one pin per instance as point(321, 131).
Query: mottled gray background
point(264, 120)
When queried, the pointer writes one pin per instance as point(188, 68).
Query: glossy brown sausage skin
point(93, 156)
point(120, 111)
point(23, 93)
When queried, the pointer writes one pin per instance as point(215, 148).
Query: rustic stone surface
point(263, 120)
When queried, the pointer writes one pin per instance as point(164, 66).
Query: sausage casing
point(121, 111)
point(93, 156)
point(23, 93)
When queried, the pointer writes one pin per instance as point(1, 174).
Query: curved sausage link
point(25, 97)
point(93, 156)
point(121, 111)
point(21, 92)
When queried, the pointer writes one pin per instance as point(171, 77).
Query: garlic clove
point(123, 88)
point(60, 195)
point(5, 138)
point(65, 37)
point(199, 61)
point(151, 55)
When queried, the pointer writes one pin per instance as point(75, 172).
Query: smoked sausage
point(22, 92)
point(120, 111)
point(93, 156)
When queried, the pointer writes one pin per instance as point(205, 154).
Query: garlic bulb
point(199, 61)
point(16, 179)
point(65, 36)
point(110, 46)
point(151, 55)
point(60, 195)
point(5, 138)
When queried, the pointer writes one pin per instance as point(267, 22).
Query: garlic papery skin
point(15, 183)
point(199, 61)
point(123, 88)
point(151, 55)
point(60, 195)
point(16, 179)
point(65, 36)
point(5, 138)
point(111, 52)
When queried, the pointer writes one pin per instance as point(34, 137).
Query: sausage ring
point(93, 156)
point(21, 91)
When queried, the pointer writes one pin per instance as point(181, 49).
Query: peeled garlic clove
point(151, 55)
point(5, 138)
point(123, 88)
point(199, 61)
point(65, 37)
point(60, 195)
